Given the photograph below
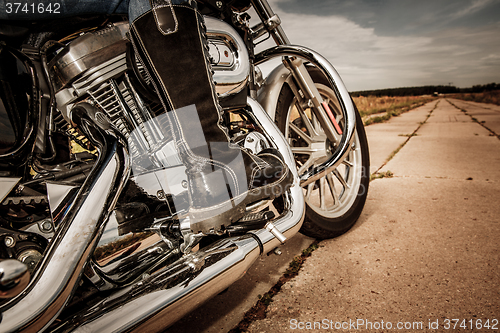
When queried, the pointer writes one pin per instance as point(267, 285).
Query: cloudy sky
point(377, 44)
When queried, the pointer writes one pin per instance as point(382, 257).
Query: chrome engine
point(99, 67)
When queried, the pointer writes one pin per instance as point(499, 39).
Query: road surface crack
point(394, 153)
point(258, 311)
point(475, 120)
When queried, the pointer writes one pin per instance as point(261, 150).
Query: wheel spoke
point(338, 118)
point(316, 124)
point(307, 122)
point(309, 190)
point(348, 163)
point(302, 150)
point(322, 193)
point(306, 165)
point(331, 184)
point(301, 133)
point(341, 179)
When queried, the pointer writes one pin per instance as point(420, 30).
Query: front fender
point(269, 93)
point(346, 104)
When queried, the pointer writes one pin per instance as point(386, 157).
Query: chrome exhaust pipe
point(164, 297)
point(55, 281)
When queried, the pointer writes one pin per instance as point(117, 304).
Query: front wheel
point(334, 202)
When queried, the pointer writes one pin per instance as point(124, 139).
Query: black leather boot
point(223, 179)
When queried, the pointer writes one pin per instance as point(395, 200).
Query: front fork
point(313, 98)
point(293, 57)
point(272, 24)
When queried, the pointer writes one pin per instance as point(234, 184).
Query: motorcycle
point(93, 228)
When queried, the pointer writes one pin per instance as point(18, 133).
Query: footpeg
point(276, 233)
point(257, 217)
point(251, 221)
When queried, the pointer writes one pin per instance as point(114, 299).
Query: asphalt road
point(424, 252)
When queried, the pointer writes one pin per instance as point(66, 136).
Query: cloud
point(401, 17)
point(367, 60)
point(475, 6)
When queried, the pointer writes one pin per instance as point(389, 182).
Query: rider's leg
point(170, 41)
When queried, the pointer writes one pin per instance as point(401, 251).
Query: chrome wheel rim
point(334, 194)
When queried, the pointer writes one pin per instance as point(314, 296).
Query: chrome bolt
point(160, 195)
point(19, 189)
point(218, 4)
point(9, 241)
point(250, 139)
point(277, 251)
point(30, 258)
point(184, 184)
point(46, 226)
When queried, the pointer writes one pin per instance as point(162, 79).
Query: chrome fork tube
point(273, 24)
point(55, 281)
point(266, 13)
point(348, 112)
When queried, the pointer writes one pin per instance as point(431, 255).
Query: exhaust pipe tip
point(14, 278)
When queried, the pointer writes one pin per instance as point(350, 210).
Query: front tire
point(334, 202)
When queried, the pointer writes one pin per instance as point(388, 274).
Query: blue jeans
point(32, 10)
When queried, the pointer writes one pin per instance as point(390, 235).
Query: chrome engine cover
point(230, 57)
point(96, 57)
point(95, 67)
point(87, 52)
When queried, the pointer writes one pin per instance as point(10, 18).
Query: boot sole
point(213, 219)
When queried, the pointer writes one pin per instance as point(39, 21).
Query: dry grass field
point(492, 97)
point(379, 109)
